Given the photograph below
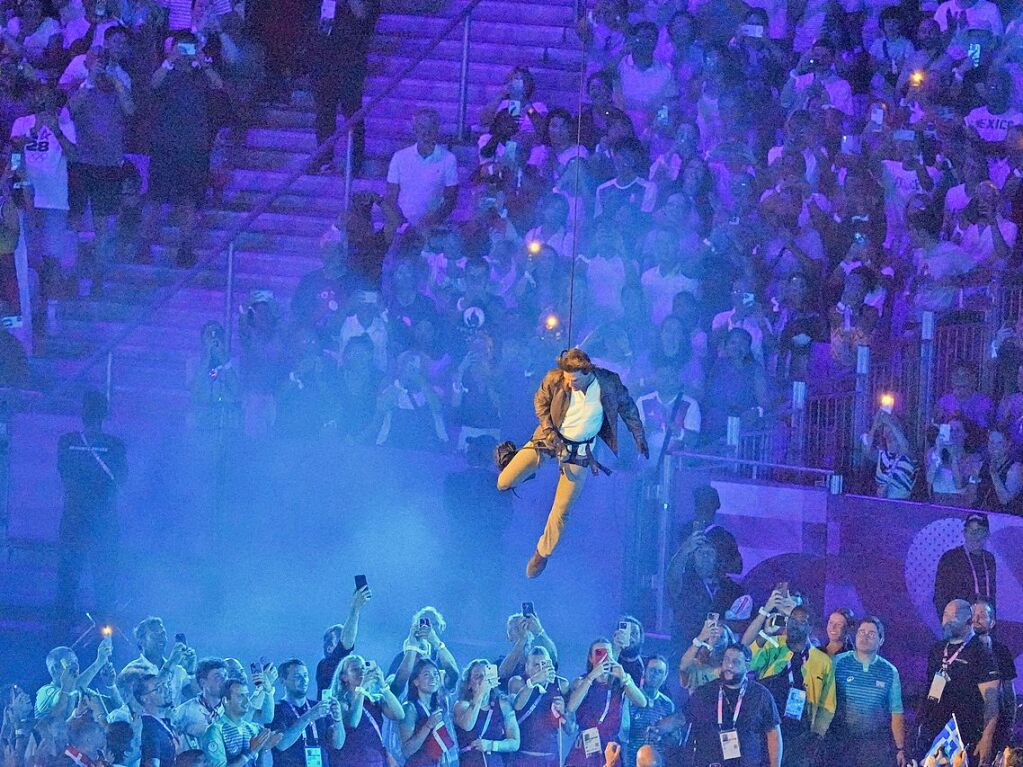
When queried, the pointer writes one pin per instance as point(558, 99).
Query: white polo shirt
point(421, 180)
point(585, 414)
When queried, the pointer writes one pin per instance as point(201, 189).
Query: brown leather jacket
point(551, 403)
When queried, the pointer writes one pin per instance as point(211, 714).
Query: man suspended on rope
point(576, 403)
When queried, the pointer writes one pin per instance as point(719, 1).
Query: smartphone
point(752, 30)
point(528, 609)
point(187, 49)
point(101, 8)
point(850, 145)
point(180, 638)
point(714, 617)
point(16, 160)
point(327, 695)
point(599, 655)
point(515, 108)
point(877, 114)
point(662, 115)
point(945, 432)
point(783, 589)
point(256, 674)
point(888, 403)
point(424, 623)
point(748, 299)
point(327, 10)
point(973, 54)
point(776, 622)
point(491, 674)
point(360, 582)
point(625, 626)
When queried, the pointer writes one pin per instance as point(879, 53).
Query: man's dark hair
point(94, 406)
point(644, 26)
point(206, 665)
point(561, 113)
point(285, 668)
point(138, 687)
point(741, 648)
point(81, 728)
point(872, 619)
point(987, 603)
point(601, 75)
point(659, 657)
point(575, 360)
point(189, 757)
point(230, 684)
point(119, 737)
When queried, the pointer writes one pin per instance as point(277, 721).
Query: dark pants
point(87, 534)
point(861, 751)
point(800, 744)
point(334, 86)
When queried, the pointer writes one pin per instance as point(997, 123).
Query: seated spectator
point(662, 281)
point(982, 230)
point(354, 392)
point(518, 101)
point(406, 304)
point(422, 180)
point(964, 401)
point(890, 52)
point(1009, 419)
point(746, 314)
point(322, 295)
point(956, 15)
point(736, 386)
point(475, 401)
point(303, 403)
point(896, 468)
point(953, 468)
point(366, 317)
point(598, 115)
point(554, 229)
point(852, 319)
point(1000, 482)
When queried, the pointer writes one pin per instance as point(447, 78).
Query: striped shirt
point(225, 739)
point(867, 695)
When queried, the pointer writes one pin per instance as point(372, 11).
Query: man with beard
point(736, 720)
point(308, 727)
point(963, 683)
point(193, 716)
point(983, 626)
point(802, 680)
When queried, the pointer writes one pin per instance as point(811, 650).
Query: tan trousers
point(570, 484)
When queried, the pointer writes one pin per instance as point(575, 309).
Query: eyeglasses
point(867, 634)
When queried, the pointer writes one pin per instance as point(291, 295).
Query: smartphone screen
point(15, 160)
point(424, 623)
point(360, 582)
point(599, 655)
point(187, 49)
point(327, 9)
point(713, 617)
point(180, 638)
point(527, 609)
point(624, 626)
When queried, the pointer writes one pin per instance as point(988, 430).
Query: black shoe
point(504, 453)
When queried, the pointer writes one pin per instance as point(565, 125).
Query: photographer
point(100, 107)
point(216, 401)
point(952, 471)
point(33, 35)
point(181, 139)
point(895, 470)
point(526, 633)
point(539, 700)
point(1000, 478)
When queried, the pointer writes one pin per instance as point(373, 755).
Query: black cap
point(980, 519)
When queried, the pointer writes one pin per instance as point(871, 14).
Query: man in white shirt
point(46, 140)
point(960, 15)
point(422, 180)
point(576, 403)
point(990, 123)
point(645, 85)
point(814, 79)
point(151, 636)
point(659, 414)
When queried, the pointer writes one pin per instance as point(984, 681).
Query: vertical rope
point(578, 198)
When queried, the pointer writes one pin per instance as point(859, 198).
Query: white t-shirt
point(77, 28)
point(45, 161)
point(639, 193)
point(191, 14)
point(992, 127)
point(983, 15)
point(77, 73)
point(36, 42)
point(585, 414)
point(660, 291)
point(643, 91)
point(422, 180)
point(838, 90)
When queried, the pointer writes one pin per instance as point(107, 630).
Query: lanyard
point(173, 735)
point(532, 708)
point(101, 462)
point(368, 714)
point(976, 581)
point(607, 707)
point(310, 726)
point(946, 662)
point(738, 704)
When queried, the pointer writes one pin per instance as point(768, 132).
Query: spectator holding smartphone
point(365, 701)
point(425, 738)
point(650, 725)
point(538, 697)
point(596, 699)
point(304, 724)
point(627, 646)
point(526, 633)
point(184, 88)
point(339, 639)
point(485, 723)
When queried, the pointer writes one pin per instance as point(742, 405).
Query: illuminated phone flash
point(888, 402)
point(107, 631)
point(916, 78)
point(534, 247)
point(552, 322)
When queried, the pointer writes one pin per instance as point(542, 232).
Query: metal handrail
point(227, 242)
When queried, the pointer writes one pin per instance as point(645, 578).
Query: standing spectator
point(983, 626)
point(422, 180)
point(485, 721)
point(100, 107)
point(92, 466)
point(539, 700)
point(160, 742)
point(304, 725)
point(339, 640)
point(739, 386)
point(33, 34)
point(839, 630)
point(339, 50)
point(740, 707)
point(696, 589)
point(87, 741)
point(425, 738)
point(365, 702)
point(964, 401)
point(321, 298)
point(896, 468)
point(213, 380)
point(967, 571)
point(802, 680)
point(185, 88)
point(701, 662)
point(63, 693)
point(525, 632)
point(193, 716)
point(646, 85)
point(869, 718)
point(669, 409)
point(46, 138)
point(151, 638)
point(648, 725)
point(1001, 477)
point(408, 412)
point(964, 684)
point(597, 699)
point(628, 196)
point(233, 740)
